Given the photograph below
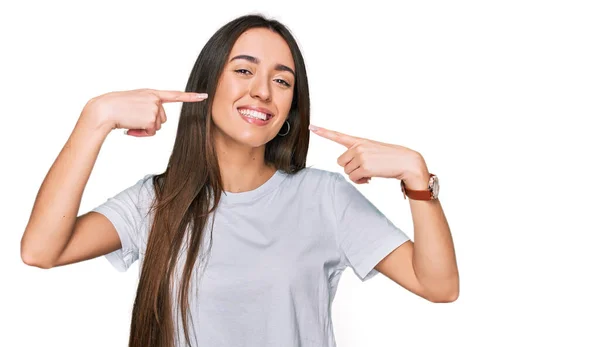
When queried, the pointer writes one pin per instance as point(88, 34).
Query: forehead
point(269, 47)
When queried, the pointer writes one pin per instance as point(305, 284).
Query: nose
point(260, 88)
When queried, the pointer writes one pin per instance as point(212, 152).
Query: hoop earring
point(288, 129)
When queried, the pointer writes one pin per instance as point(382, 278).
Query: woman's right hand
point(139, 111)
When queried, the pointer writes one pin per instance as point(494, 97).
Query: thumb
point(137, 132)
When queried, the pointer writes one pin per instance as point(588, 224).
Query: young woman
point(240, 244)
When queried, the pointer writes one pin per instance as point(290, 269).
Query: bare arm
point(55, 235)
point(428, 266)
point(434, 258)
point(93, 235)
point(54, 214)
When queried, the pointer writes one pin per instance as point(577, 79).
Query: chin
point(257, 143)
point(252, 140)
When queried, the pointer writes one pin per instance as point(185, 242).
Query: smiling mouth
point(255, 114)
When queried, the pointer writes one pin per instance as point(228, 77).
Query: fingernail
point(202, 95)
point(313, 127)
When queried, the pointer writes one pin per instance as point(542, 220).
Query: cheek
point(228, 90)
point(285, 102)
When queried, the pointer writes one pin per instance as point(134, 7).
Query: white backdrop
point(499, 97)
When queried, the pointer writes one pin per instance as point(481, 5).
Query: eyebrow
point(254, 60)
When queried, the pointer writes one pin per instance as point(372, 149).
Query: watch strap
point(416, 194)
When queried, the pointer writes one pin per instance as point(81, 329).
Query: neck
point(243, 168)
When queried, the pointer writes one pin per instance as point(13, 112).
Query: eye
point(282, 82)
point(243, 72)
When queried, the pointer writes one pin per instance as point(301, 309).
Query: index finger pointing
point(343, 139)
point(177, 96)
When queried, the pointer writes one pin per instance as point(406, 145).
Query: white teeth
point(253, 114)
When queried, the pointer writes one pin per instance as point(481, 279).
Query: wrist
point(419, 181)
point(93, 119)
point(417, 177)
point(89, 124)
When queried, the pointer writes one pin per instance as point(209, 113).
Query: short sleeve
point(128, 212)
point(365, 235)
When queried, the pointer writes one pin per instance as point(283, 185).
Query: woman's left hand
point(366, 158)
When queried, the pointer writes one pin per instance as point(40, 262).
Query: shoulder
point(313, 173)
point(132, 202)
point(330, 185)
point(139, 193)
point(145, 185)
point(319, 184)
point(314, 177)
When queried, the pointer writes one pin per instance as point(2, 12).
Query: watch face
point(435, 186)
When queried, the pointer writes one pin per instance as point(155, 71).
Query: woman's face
point(257, 82)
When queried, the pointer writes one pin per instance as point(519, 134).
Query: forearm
point(434, 259)
point(57, 203)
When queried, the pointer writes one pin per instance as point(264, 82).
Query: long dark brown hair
point(189, 190)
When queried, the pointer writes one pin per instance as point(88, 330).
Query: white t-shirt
point(276, 257)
